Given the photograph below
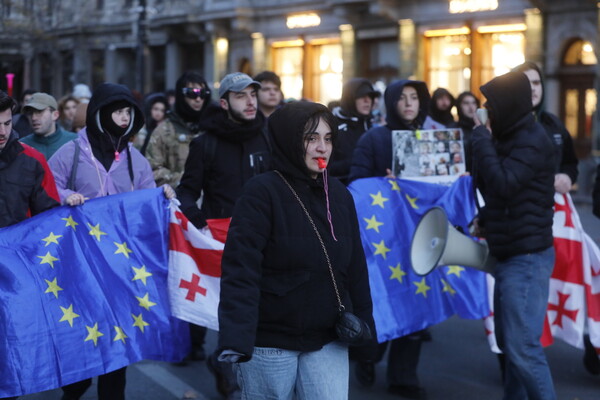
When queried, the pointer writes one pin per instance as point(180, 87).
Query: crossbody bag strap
point(337, 293)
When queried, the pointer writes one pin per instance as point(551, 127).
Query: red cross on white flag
point(195, 269)
point(574, 285)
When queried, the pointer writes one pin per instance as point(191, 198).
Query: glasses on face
point(194, 93)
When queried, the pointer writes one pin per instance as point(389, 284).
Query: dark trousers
point(111, 386)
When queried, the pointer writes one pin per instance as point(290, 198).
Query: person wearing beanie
point(169, 143)
point(106, 163)
point(354, 117)
point(466, 105)
point(440, 110)
point(514, 168)
point(82, 93)
point(234, 148)
point(407, 104)
point(565, 170)
point(275, 274)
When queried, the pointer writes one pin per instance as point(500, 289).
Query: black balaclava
point(190, 116)
point(107, 122)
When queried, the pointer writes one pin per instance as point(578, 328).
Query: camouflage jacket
point(168, 149)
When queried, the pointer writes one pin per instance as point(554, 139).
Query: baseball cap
point(367, 90)
point(236, 82)
point(41, 101)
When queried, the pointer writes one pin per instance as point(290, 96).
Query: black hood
point(105, 94)
point(441, 116)
point(182, 109)
point(354, 89)
point(526, 66)
point(509, 100)
point(105, 144)
point(149, 102)
point(286, 127)
point(391, 97)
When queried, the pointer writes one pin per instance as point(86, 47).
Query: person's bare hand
point(75, 199)
point(389, 174)
point(168, 191)
point(562, 183)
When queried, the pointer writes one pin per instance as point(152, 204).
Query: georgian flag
point(195, 269)
point(574, 295)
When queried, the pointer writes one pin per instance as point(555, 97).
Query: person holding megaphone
point(513, 167)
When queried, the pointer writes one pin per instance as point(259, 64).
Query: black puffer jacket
point(219, 163)
point(276, 290)
point(514, 170)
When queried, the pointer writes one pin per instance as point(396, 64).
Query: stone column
point(348, 39)
point(408, 43)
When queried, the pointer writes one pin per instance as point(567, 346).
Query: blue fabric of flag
point(404, 302)
point(83, 291)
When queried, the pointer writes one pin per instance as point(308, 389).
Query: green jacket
point(47, 145)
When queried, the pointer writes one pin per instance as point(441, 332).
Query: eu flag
point(404, 302)
point(83, 291)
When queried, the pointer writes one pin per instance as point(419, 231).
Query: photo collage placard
point(428, 155)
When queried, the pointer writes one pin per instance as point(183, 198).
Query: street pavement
point(456, 365)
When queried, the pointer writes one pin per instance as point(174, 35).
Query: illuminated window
point(449, 63)
point(590, 109)
point(571, 111)
point(501, 53)
point(287, 62)
point(580, 53)
point(327, 73)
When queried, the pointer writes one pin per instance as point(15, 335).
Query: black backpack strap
point(130, 166)
point(71, 182)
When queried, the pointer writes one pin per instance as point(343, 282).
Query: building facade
point(314, 46)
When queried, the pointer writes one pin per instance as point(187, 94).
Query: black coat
point(219, 163)
point(276, 289)
point(26, 184)
point(514, 170)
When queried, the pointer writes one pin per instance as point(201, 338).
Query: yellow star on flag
point(397, 272)
point(70, 222)
point(381, 249)
point(95, 231)
point(53, 287)
point(93, 334)
point(141, 274)
point(372, 223)
point(51, 238)
point(412, 201)
point(48, 259)
point(139, 322)
point(422, 287)
point(145, 302)
point(455, 269)
point(68, 315)
point(448, 288)
point(120, 334)
point(123, 249)
point(378, 199)
point(394, 185)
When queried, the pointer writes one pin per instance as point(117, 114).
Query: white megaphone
point(436, 242)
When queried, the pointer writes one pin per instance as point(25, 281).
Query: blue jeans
point(282, 374)
point(520, 302)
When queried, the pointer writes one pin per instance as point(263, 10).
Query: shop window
point(580, 52)
point(501, 53)
point(287, 63)
point(327, 73)
point(449, 64)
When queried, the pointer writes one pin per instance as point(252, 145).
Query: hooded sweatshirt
point(514, 168)
point(443, 117)
point(107, 162)
point(351, 125)
point(218, 165)
point(373, 153)
point(274, 271)
point(564, 152)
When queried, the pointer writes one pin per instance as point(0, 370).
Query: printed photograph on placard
point(429, 155)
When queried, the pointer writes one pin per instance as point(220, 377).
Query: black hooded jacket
point(564, 152)
point(106, 142)
point(276, 289)
point(218, 165)
point(373, 153)
point(443, 117)
point(351, 126)
point(466, 124)
point(514, 169)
